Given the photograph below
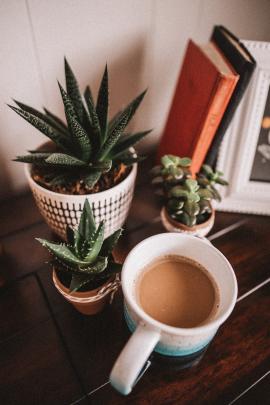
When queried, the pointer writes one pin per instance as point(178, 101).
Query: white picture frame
point(238, 148)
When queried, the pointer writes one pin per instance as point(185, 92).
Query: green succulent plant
point(88, 145)
point(188, 203)
point(171, 170)
point(86, 259)
point(187, 200)
point(208, 178)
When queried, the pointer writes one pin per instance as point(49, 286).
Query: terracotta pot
point(60, 210)
point(197, 230)
point(82, 300)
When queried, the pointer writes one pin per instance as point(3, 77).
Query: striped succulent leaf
point(126, 142)
point(131, 108)
point(62, 252)
point(87, 136)
point(74, 92)
point(128, 159)
point(70, 111)
point(58, 138)
point(87, 224)
point(86, 256)
point(103, 103)
point(92, 178)
point(79, 280)
point(114, 135)
point(95, 244)
point(45, 117)
point(104, 166)
point(81, 140)
point(97, 138)
point(35, 158)
point(57, 121)
point(95, 267)
point(63, 160)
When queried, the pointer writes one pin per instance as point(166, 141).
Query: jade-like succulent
point(207, 178)
point(187, 200)
point(189, 203)
point(89, 145)
point(171, 171)
point(86, 260)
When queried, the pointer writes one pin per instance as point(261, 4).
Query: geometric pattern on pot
point(60, 210)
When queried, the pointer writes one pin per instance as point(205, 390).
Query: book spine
point(228, 115)
point(217, 108)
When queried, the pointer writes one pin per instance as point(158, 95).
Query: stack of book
point(211, 84)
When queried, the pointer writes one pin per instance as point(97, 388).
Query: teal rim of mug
point(161, 348)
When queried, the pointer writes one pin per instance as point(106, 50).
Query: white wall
point(142, 40)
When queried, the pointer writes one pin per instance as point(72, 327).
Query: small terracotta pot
point(197, 230)
point(82, 300)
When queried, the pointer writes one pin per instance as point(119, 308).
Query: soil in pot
point(77, 186)
point(62, 281)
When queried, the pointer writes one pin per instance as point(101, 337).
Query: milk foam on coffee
point(178, 291)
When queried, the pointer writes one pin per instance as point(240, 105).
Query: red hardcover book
point(203, 91)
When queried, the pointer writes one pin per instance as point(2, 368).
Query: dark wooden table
point(51, 354)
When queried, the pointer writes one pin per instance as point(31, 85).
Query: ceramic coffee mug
point(150, 335)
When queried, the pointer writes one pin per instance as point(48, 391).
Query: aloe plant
point(187, 200)
point(88, 144)
point(86, 259)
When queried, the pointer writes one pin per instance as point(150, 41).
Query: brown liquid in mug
point(178, 291)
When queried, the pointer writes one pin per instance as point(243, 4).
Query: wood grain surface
point(51, 354)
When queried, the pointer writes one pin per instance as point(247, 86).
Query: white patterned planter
point(200, 230)
point(60, 210)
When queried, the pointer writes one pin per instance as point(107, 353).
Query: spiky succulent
point(89, 144)
point(187, 200)
point(87, 257)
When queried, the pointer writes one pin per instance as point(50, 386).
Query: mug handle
point(132, 358)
